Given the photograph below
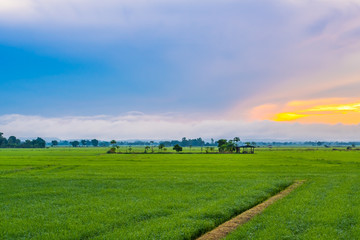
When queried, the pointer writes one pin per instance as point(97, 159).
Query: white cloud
point(141, 126)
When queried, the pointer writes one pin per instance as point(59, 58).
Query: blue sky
point(202, 61)
point(161, 53)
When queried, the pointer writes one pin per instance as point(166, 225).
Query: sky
point(155, 69)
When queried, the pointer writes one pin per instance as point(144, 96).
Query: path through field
point(224, 229)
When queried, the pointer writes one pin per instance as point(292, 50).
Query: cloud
point(157, 127)
point(328, 110)
point(200, 56)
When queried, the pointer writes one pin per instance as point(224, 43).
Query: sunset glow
point(330, 113)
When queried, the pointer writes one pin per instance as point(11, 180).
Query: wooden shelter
point(245, 149)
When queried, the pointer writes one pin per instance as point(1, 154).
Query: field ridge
point(224, 229)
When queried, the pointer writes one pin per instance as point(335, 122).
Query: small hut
point(245, 149)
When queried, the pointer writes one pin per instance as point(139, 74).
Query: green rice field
point(82, 193)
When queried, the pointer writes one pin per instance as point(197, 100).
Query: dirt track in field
point(224, 229)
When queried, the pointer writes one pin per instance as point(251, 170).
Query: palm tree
point(236, 140)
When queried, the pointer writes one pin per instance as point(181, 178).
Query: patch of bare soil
point(229, 226)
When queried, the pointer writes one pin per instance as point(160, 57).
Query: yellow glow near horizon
point(310, 112)
point(340, 107)
point(288, 116)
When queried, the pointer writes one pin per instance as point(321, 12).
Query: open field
point(85, 194)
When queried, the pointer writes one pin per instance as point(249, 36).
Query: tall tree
point(39, 143)
point(3, 141)
point(12, 141)
point(222, 145)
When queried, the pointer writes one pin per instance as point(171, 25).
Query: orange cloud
point(330, 111)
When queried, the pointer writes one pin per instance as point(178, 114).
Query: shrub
point(177, 148)
point(111, 150)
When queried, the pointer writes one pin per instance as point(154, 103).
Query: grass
point(85, 194)
point(326, 207)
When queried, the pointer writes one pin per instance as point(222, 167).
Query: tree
point(38, 143)
point(95, 142)
point(230, 146)
point(27, 144)
point(1, 136)
point(113, 142)
point(184, 142)
point(12, 141)
point(207, 149)
point(54, 143)
point(111, 150)
point(147, 148)
point(161, 146)
point(177, 148)
point(222, 144)
point(75, 143)
point(3, 141)
point(152, 146)
point(236, 140)
point(83, 142)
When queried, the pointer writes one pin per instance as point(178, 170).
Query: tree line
point(184, 142)
point(13, 142)
point(196, 142)
point(83, 143)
